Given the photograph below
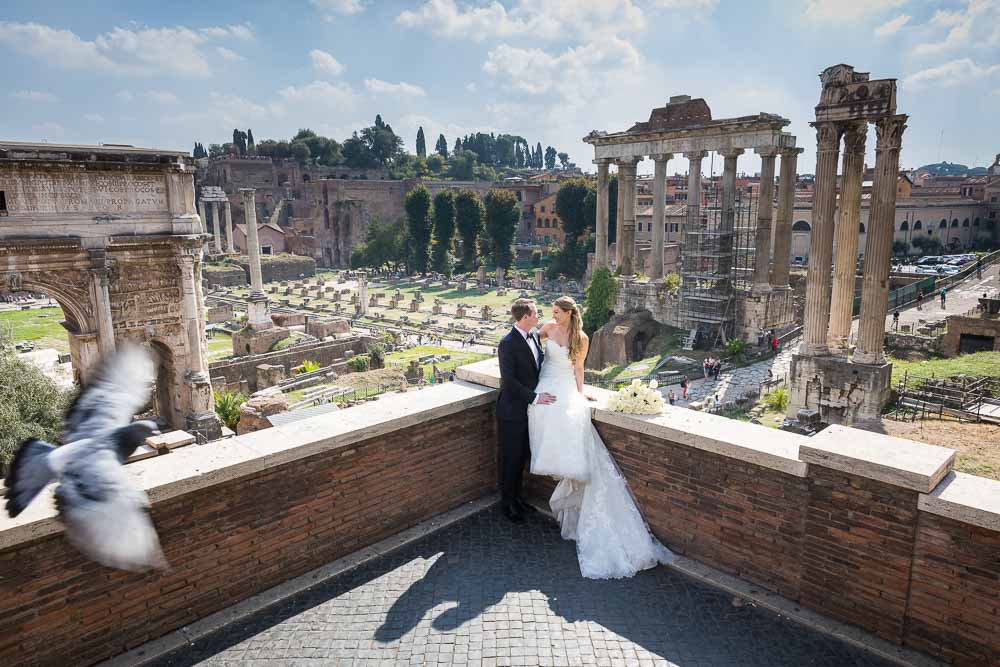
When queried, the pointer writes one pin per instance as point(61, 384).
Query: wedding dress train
point(592, 500)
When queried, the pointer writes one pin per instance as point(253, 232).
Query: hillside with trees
point(475, 157)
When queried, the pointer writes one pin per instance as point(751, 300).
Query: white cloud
point(135, 50)
point(378, 87)
point(847, 11)
point(542, 19)
point(892, 26)
point(48, 130)
point(242, 32)
point(471, 87)
point(93, 117)
point(688, 4)
point(34, 96)
point(124, 96)
point(330, 8)
point(162, 97)
point(228, 54)
point(338, 96)
point(950, 74)
point(326, 63)
point(977, 24)
point(571, 75)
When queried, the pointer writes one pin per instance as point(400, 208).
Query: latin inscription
point(84, 192)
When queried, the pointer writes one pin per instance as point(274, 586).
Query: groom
point(520, 354)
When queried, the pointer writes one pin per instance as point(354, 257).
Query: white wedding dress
point(592, 500)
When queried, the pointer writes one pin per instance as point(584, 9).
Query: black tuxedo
point(518, 379)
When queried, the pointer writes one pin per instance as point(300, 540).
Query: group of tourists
point(712, 367)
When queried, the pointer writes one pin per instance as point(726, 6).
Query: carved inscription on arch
point(83, 192)
point(144, 293)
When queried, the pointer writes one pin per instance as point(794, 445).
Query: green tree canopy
point(571, 207)
point(462, 165)
point(550, 157)
point(421, 144)
point(435, 163)
point(441, 147)
point(599, 301)
point(418, 222)
point(442, 253)
point(502, 215)
point(469, 215)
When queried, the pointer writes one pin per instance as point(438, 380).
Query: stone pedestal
point(841, 392)
point(773, 309)
point(269, 375)
point(481, 275)
point(540, 276)
point(254, 413)
point(414, 306)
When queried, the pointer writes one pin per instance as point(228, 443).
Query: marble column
point(659, 200)
point(848, 220)
point(694, 191)
point(196, 365)
point(257, 301)
point(601, 247)
point(817, 314)
point(629, 264)
point(729, 187)
point(619, 215)
point(765, 207)
point(363, 293)
point(878, 247)
point(201, 215)
point(230, 240)
point(102, 311)
point(783, 219)
point(216, 228)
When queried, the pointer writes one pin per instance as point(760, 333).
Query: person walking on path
point(684, 387)
point(774, 344)
point(944, 294)
point(920, 299)
point(671, 397)
point(895, 320)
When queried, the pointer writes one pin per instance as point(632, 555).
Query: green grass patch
point(980, 363)
point(40, 325)
point(220, 346)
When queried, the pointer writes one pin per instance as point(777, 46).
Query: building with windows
point(548, 226)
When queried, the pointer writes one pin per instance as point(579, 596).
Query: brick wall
point(954, 602)
point(232, 540)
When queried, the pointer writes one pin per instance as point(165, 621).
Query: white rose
point(653, 384)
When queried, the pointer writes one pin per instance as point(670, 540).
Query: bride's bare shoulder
point(547, 327)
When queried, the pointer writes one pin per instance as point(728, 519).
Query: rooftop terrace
point(873, 539)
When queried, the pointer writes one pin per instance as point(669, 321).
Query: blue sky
point(166, 74)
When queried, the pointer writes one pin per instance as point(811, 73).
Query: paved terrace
point(872, 538)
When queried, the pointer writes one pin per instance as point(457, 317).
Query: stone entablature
point(786, 513)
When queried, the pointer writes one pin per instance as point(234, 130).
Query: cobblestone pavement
point(733, 384)
point(487, 592)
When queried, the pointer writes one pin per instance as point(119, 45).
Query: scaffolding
point(716, 263)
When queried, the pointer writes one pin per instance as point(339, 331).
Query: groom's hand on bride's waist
point(545, 399)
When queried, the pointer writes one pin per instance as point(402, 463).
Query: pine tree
point(441, 147)
point(458, 145)
point(550, 157)
point(469, 215)
point(251, 146)
point(418, 222)
point(442, 255)
point(502, 215)
point(421, 144)
point(538, 156)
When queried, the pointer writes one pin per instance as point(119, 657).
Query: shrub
point(672, 282)
point(358, 364)
point(600, 299)
point(308, 366)
point(227, 406)
point(736, 349)
point(777, 400)
point(376, 353)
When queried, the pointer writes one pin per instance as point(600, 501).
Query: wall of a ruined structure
point(230, 372)
point(975, 326)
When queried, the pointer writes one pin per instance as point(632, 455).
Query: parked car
point(798, 261)
point(930, 260)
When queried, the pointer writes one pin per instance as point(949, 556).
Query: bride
point(592, 500)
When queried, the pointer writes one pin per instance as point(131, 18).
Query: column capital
point(695, 155)
point(731, 153)
point(603, 161)
point(889, 132)
point(827, 136)
point(662, 157)
point(791, 152)
point(766, 151)
point(628, 162)
point(247, 192)
point(855, 136)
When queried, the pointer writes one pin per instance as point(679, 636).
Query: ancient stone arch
point(112, 235)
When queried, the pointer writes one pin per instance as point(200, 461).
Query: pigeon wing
point(120, 387)
point(106, 516)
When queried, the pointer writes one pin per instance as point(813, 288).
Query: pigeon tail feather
point(29, 473)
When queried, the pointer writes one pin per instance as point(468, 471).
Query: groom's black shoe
point(512, 513)
point(523, 506)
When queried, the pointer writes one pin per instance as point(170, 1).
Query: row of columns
point(764, 277)
point(216, 227)
point(829, 305)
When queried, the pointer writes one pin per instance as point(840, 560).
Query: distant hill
point(953, 169)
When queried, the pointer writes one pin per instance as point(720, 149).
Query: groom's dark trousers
point(518, 379)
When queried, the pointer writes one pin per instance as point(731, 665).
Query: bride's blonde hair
point(575, 325)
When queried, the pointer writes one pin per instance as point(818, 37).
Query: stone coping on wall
point(197, 467)
point(753, 443)
point(906, 463)
point(966, 498)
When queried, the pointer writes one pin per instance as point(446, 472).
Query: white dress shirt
point(530, 340)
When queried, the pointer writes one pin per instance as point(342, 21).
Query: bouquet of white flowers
point(637, 399)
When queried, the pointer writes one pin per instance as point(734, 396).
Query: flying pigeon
point(105, 515)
